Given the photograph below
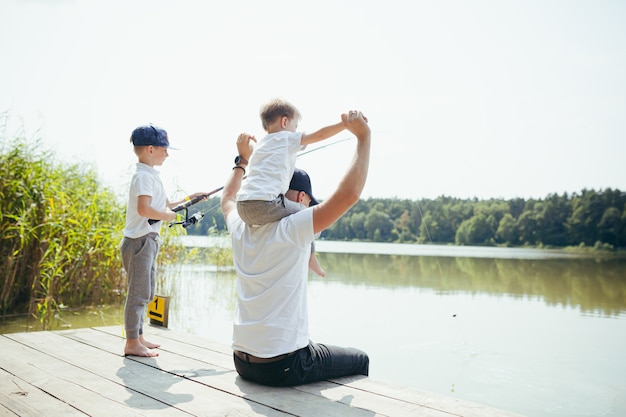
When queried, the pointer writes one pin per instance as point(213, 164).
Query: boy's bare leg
point(147, 344)
point(135, 348)
point(314, 265)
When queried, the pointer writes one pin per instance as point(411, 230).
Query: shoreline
point(414, 249)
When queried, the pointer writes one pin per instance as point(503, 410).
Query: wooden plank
point(370, 400)
point(452, 405)
point(73, 385)
point(5, 412)
point(166, 333)
point(19, 398)
point(145, 378)
point(289, 400)
point(361, 399)
point(183, 344)
point(84, 370)
point(381, 390)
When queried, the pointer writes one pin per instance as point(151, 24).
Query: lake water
point(540, 333)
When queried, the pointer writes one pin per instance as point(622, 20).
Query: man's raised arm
point(351, 185)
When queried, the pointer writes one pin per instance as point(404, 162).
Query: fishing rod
point(196, 217)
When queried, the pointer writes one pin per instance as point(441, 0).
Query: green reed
point(60, 233)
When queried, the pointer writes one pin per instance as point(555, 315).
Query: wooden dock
point(83, 373)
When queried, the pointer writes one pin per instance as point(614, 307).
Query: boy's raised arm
point(323, 133)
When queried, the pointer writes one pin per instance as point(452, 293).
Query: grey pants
point(139, 259)
point(260, 212)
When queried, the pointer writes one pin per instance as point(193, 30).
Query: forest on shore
point(591, 218)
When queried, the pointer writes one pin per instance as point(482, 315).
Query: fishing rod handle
point(188, 202)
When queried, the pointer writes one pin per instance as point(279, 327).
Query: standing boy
point(140, 246)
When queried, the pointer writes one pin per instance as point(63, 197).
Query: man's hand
point(356, 123)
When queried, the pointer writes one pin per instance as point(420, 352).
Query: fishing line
point(430, 240)
point(454, 315)
point(322, 147)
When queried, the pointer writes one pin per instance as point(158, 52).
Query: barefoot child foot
point(135, 348)
point(147, 344)
point(314, 265)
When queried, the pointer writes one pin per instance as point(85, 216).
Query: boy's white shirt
point(145, 181)
point(271, 166)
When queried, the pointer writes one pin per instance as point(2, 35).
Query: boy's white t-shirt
point(145, 181)
point(271, 166)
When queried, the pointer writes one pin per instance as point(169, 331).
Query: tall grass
point(60, 233)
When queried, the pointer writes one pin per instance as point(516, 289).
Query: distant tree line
point(589, 218)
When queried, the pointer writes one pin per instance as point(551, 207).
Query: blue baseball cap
point(150, 135)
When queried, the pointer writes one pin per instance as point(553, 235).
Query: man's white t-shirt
point(145, 181)
point(271, 166)
point(271, 261)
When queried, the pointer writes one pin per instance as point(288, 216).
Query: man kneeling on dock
point(271, 330)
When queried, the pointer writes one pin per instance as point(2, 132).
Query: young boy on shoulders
point(261, 199)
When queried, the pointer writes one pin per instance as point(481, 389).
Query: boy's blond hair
point(275, 109)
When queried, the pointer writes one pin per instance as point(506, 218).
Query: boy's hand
point(170, 215)
point(204, 196)
point(244, 145)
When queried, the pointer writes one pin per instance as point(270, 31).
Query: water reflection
point(202, 300)
point(594, 286)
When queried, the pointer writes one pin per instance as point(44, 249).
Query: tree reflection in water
point(595, 286)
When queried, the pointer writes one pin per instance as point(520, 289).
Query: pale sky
point(467, 99)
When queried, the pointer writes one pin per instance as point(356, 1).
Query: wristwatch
point(240, 160)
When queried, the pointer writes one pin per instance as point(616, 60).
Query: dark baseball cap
point(150, 135)
point(300, 181)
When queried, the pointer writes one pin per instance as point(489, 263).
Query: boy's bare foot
point(314, 265)
point(134, 348)
point(147, 344)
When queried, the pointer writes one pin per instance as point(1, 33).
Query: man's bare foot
point(135, 348)
point(314, 265)
point(147, 344)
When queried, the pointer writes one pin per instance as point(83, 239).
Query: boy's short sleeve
point(144, 185)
